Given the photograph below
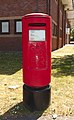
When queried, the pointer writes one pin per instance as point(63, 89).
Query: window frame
point(17, 20)
point(2, 21)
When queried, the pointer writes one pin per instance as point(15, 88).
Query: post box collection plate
point(36, 35)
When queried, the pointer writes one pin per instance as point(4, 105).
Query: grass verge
point(62, 101)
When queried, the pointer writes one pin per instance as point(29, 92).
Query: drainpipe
point(48, 7)
point(63, 27)
point(37, 9)
point(58, 25)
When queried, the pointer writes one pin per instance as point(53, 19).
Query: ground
point(62, 83)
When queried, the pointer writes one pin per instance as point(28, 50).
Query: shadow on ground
point(19, 112)
point(63, 66)
point(10, 62)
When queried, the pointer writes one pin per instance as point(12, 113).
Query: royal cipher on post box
point(36, 42)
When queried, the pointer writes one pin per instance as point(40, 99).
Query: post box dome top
point(37, 15)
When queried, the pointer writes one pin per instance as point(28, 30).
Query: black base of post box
point(36, 99)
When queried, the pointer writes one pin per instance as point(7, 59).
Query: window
point(5, 27)
point(54, 29)
point(18, 26)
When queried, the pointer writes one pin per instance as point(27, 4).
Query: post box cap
point(37, 15)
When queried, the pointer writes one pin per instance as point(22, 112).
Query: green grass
point(63, 66)
point(10, 63)
point(63, 81)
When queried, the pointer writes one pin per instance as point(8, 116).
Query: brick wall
point(54, 43)
point(12, 43)
point(53, 9)
point(21, 7)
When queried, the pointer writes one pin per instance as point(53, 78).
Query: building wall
point(9, 8)
point(54, 43)
point(14, 10)
point(67, 34)
point(53, 9)
point(60, 25)
point(12, 43)
point(17, 8)
point(54, 14)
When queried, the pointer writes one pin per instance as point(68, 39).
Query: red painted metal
point(36, 54)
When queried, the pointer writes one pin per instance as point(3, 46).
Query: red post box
point(36, 42)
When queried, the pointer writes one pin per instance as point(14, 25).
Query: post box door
point(37, 57)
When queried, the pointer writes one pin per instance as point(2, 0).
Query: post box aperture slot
point(37, 35)
point(37, 24)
